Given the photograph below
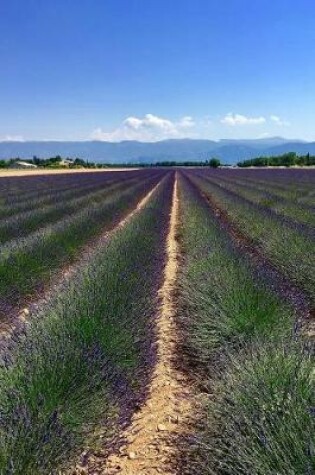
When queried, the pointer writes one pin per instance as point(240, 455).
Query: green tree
point(214, 163)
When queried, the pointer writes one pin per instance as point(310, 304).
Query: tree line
point(59, 162)
point(286, 160)
point(52, 162)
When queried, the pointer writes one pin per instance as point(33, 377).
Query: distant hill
point(228, 151)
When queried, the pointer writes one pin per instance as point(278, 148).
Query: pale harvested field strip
point(45, 171)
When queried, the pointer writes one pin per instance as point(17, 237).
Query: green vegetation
point(214, 163)
point(225, 304)
point(28, 263)
point(239, 336)
point(268, 232)
point(272, 200)
point(264, 412)
point(29, 193)
point(81, 365)
point(52, 162)
point(80, 356)
point(23, 223)
point(59, 162)
point(286, 160)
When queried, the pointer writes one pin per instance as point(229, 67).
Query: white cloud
point(12, 138)
point(149, 128)
point(277, 120)
point(264, 135)
point(149, 121)
point(186, 122)
point(239, 119)
point(133, 123)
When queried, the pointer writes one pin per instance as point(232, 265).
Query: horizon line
point(159, 141)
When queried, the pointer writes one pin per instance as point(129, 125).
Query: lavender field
point(158, 321)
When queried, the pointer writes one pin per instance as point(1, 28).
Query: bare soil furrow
point(149, 445)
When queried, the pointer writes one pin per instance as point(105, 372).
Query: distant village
point(53, 162)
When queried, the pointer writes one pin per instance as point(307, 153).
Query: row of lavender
point(284, 177)
point(82, 363)
point(44, 229)
point(18, 194)
point(281, 230)
point(242, 343)
point(293, 200)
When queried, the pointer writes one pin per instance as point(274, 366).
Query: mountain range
point(228, 151)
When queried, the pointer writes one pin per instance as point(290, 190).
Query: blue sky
point(155, 69)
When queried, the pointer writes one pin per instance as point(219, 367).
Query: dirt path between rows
point(160, 429)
